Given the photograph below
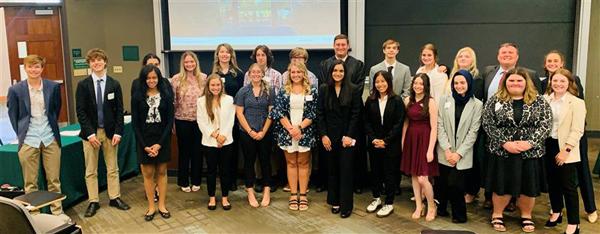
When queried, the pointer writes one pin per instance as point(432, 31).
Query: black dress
point(152, 122)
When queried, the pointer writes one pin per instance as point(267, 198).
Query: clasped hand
point(516, 147)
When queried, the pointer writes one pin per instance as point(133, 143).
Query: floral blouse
point(281, 109)
point(185, 100)
point(500, 126)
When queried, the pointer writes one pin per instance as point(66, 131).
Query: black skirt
point(515, 176)
point(152, 134)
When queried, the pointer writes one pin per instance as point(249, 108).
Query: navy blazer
point(87, 114)
point(19, 107)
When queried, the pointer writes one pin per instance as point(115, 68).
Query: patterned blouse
point(153, 115)
point(272, 77)
point(534, 127)
point(185, 99)
point(281, 109)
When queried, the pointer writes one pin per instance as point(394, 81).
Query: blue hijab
point(457, 97)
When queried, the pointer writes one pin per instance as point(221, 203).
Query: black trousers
point(562, 183)
point(475, 176)
point(190, 152)
point(585, 177)
point(384, 171)
point(360, 160)
point(322, 174)
point(340, 182)
point(235, 155)
point(218, 158)
point(449, 187)
point(256, 149)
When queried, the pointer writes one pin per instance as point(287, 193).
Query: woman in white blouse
point(428, 59)
point(215, 117)
point(562, 148)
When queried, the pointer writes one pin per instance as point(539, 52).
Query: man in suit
point(33, 109)
point(401, 78)
point(355, 72)
point(508, 56)
point(100, 113)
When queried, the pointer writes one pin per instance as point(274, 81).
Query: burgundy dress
point(414, 155)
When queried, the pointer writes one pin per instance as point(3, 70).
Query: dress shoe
point(212, 207)
point(335, 209)
point(165, 215)
point(575, 232)
point(226, 207)
point(149, 217)
point(273, 188)
point(233, 187)
point(119, 204)
point(458, 220)
point(258, 188)
point(555, 222)
point(345, 214)
point(92, 208)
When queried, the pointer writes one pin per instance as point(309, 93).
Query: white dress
point(296, 113)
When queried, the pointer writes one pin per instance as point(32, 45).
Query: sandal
point(527, 225)
point(303, 205)
point(293, 203)
point(498, 224)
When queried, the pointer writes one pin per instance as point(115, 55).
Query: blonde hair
point(208, 96)
point(233, 66)
point(390, 42)
point(305, 82)
point(33, 59)
point(572, 88)
point(264, 87)
point(299, 52)
point(428, 46)
point(529, 94)
point(472, 68)
point(181, 88)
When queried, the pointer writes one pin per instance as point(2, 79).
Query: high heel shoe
point(575, 232)
point(555, 222)
point(431, 213)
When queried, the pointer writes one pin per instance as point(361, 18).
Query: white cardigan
point(226, 119)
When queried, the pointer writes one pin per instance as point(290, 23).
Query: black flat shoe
point(212, 207)
point(335, 210)
point(227, 207)
point(119, 204)
point(442, 212)
point(165, 215)
point(149, 217)
point(575, 232)
point(345, 214)
point(233, 187)
point(459, 220)
point(556, 222)
point(92, 208)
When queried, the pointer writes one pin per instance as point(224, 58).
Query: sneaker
point(186, 189)
point(385, 211)
point(376, 203)
point(287, 188)
point(195, 188)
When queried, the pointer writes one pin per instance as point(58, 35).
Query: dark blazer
point(139, 112)
point(393, 118)
point(19, 107)
point(339, 120)
point(355, 71)
point(86, 107)
point(490, 71)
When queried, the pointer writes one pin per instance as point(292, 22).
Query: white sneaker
point(186, 189)
point(195, 188)
point(385, 211)
point(376, 203)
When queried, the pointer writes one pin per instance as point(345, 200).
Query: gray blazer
point(401, 77)
point(465, 137)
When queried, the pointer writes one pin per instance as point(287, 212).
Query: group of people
point(451, 131)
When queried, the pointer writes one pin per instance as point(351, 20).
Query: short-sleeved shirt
point(256, 109)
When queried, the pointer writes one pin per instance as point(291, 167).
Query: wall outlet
point(117, 69)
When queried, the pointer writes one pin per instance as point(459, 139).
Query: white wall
point(4, 64)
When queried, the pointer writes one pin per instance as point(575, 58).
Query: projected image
point(281, 24)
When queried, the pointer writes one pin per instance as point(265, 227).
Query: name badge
point(447, 105)
point(308, 98)
point(111, 96)
point(223, 80)
point(497, 106)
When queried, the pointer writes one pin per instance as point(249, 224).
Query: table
point(72, 166)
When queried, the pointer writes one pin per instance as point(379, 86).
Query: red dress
point(416, 143)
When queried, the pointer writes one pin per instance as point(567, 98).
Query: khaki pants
point(91, 167)
point(29, 157)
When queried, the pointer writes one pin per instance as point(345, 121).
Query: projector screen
point(279, 24)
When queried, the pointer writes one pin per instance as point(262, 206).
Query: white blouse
point(223, 123)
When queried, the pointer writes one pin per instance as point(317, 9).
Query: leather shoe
point(258, 188)
point(92, 208)
point(119, 204)
point(233, 187)
point(459, 220)
point(335, 210)
point(212, 207)
point(149, 217)
point(226, 207)
point(165, 215)
point(345, 214)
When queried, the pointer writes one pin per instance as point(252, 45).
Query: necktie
point(390, 68)
point(99, 104)
point(501, 78)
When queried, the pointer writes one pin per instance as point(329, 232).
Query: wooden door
point(43, 36)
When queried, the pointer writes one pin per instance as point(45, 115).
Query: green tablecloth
point(597, 165)
point(72, 169)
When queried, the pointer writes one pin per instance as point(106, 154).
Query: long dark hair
point(426, 92)
point(345, 97)
point(388, 79)
point(161, 86)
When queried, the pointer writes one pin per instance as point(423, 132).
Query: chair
point(17, 219)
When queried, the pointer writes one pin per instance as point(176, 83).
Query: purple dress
point(414, 155)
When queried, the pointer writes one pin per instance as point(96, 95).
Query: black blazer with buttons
point(393, 119)
point(85, 106)
point(339, 120)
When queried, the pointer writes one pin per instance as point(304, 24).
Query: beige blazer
point(462, 142)
point(571, 125)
